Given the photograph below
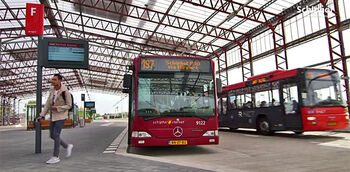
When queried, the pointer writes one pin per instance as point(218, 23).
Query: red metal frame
point(149, 15)
point(249, 13)
point(246, 57)
point(115, 52)
point(279, 44)
point(335, 41)
point(258, 16)
point(222, 68)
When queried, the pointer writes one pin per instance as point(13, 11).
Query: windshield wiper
point(329, 73)
point(328, 103)
point(147, 118)
point(186, 114)
point(206, 118)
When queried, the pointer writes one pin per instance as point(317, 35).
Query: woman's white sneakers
point(53, 160)
point(56, 159)
point(69, 150)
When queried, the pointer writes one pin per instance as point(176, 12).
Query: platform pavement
point(22, 126)
point(17, 151)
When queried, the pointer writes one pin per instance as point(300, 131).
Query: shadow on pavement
point(325, 136)
point(169, 151)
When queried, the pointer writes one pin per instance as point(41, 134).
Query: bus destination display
point(174, 65)
point(65, 51)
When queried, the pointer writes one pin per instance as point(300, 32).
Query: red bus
point(172, 101)
point(298, 100)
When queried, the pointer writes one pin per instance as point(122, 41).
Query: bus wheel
point(264, 127)
point(233, 129)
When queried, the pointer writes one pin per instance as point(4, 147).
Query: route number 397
point(200, 122)
point(147, 64)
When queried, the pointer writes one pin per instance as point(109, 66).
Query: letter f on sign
point(32, 11)
point(34, 19)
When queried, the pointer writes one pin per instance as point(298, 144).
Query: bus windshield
point(323, 90)
point(175, 94)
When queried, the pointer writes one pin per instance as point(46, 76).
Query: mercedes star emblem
point(177, 131)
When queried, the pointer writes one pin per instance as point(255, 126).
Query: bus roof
point(270, 76)
point(164, 56)
point(275, 75)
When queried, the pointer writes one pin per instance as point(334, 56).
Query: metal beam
point(344, 26)
point(336, 41)
point(153, 16)
point(50, 15)
point(285, 15)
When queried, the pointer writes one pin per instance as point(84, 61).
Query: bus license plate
point(178, 142)
point(332, 123)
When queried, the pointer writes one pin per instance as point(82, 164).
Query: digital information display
point(89, 104)
point(322, 74)
point(155, 64)
point(65, 51)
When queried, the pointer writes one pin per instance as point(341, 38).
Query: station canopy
point(120, 30)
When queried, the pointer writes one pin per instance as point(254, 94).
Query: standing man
point(58, 104)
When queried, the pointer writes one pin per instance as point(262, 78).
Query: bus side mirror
point(218, 86)
point(126, 91)
point(127, 80)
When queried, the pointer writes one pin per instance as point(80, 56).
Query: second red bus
point(297, 100)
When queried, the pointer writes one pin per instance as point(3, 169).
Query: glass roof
point(121, 30)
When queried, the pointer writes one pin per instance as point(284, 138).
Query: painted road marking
point(107, 124)
point(112, 148)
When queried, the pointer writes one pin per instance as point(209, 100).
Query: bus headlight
point(140, 134)
point(311, 118)
point(211, 133)
point(347, 117)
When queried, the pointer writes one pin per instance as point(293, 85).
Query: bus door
point(223, 120)
point(291, 107)
point(129, 87)
point(233, 107)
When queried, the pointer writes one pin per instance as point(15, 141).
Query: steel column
point(246, 57)
point(14, 106)
point(3, 111)
point(38, 99)
point(222, 67)
point(335, 41)
point(279, 45)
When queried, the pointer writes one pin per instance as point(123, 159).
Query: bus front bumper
point(151, 141)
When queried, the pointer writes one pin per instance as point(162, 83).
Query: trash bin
point(81, 122)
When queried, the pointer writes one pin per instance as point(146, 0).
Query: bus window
point(261, 99)
point(224, 105)
point(232, 103)
point(248, 101)
point(290, 96)
point(219, 105)
point(239, 101)
point(275, 98)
